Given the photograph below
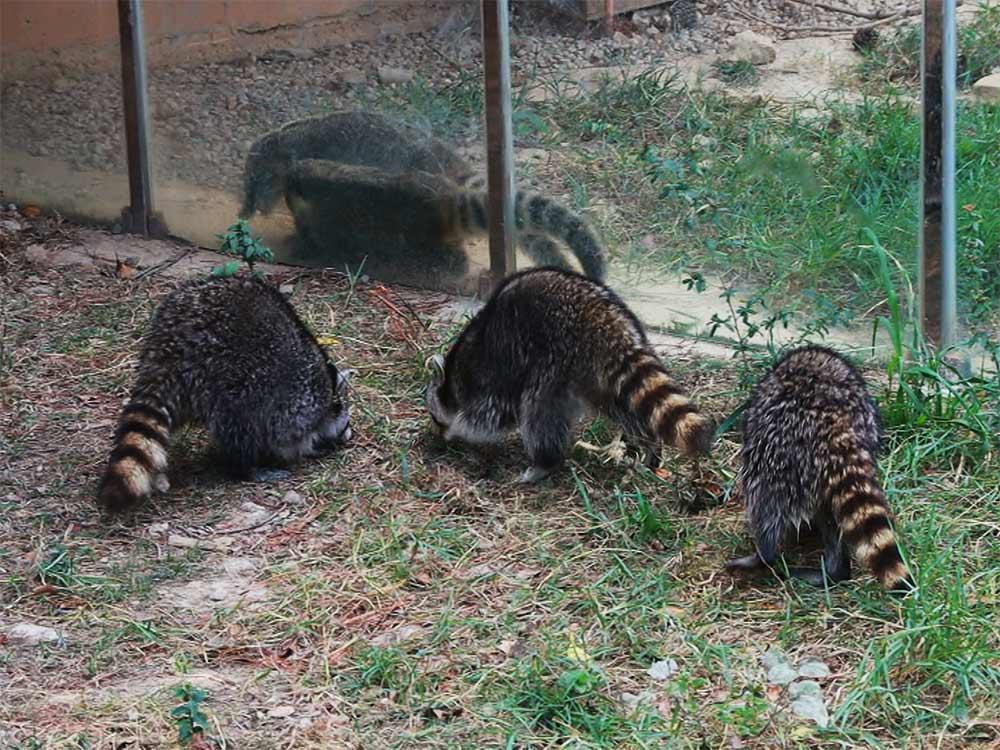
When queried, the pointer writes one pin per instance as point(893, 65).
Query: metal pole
point(137, 217)
point(609, 17)
point(937, 167)
point(499, 138)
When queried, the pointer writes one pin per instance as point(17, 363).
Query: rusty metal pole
point(937, 175)
point(499, 139)
point(609, 17)
point(136, 218)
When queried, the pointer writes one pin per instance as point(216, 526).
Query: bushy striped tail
point(534, 213)
point(862, 514)
point(661, 407)
point(138, 462)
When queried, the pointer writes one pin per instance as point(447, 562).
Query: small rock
point(663, 670)
point(9, 226)
point(781, 674)
point(353, 76)
point(807, 702)
point(27, 634)
point(631, 701)
point(619, 38)
point(988, 88)
point(61, 85)
point(286, 288)
point(219, 543)
point(155, 529)
point(387, 74)
point(281, 712)
point(751, 46)
point(813, 668)
point(397, 635)
point(292, 498)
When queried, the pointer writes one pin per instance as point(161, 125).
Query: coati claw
point(435, 363)
point(534, 474)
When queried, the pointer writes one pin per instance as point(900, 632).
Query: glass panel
point(734, 176)
point(342, 131)
point(62, 137)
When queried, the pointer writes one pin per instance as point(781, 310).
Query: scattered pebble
point(663, 670)
point(29, 634)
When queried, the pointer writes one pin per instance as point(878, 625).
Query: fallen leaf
point(326, 341)
point(31, 211)
point(123, 270)
point(575, 651)
point(663, 473)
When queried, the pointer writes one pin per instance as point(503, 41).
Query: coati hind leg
point(836, 556)
point(767, 538)
point(546, 422)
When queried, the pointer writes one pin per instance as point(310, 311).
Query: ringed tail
point(138, 462)
point(536, 213)
point(862, 514)
point(646, 390)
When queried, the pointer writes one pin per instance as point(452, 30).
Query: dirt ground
point(398, 593)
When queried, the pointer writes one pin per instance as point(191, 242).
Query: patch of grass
point(736, 72)
point(774, 195)
point(896, 58)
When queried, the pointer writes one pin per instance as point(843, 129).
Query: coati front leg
point(546, 422)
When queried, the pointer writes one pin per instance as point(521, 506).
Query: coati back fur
point(811, 437)
point(548, 346)
point(354, 138)
point(232, 355)
point(394, 152)
point(418, 216)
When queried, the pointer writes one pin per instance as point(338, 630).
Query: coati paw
point(534, 474)
point(161, 484)
point(812, 576)
point(750, 562)
point(270, 475)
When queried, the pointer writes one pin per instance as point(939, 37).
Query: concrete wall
point(47, 37)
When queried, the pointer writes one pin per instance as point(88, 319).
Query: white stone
point(28, 634)
point(663, 670)
point(387, 74)
point(353, 76)
point(988, 88)
point(751, 46)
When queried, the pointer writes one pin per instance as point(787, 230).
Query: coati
point(418, 216)
point(390, 149)
point(549, 345)
point(354, 138)
point(811, 434)
point(230, 354)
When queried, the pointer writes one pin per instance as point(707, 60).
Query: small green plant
point(58, 568)
point(926, 389)
point(737, 72)
point(240, 241)
point(387, 668)
point(188, 716)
